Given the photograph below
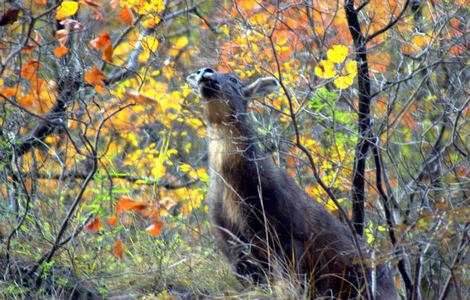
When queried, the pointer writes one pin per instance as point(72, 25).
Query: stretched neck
point(232, 142)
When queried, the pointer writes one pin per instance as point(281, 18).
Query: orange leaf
point(26, 101)
point(27, 49)
point(99, 88)
point(62, 35)
point(8, 92)
point(60, 51)
point(101, 41)
point(108, 53)
point(118, 250)
point(37, 38)
point(94, 225)
point(129, 204)
point(155, 228)
point(29, 68)
point(112, 221)
point(125, 15)
point(41, 2)
point(91, 3)
point(139, 98)
point(94, 76)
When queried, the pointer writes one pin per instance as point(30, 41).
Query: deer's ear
point(261, 87)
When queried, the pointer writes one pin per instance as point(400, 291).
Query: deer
point(261, 217)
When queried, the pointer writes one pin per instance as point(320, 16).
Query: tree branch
point(390, 24)
point(358, 187)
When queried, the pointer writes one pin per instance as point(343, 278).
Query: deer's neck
point(231, 145)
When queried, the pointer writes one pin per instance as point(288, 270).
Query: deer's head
point(226, 94)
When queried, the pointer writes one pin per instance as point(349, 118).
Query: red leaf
point(139, 98)
point(155, 228)
point(125, 15)
point(129, 204)
point(118, 250)
point(101, 41)
point(108, 53)
point(112, 221)
point(29, 68)
point(37, 38)
point(91, 3)
point(94, 225)
point(94, 76)
point(28, 49)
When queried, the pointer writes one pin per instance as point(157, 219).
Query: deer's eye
point(233, 80)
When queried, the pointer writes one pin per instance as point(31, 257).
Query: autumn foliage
point(103, 160)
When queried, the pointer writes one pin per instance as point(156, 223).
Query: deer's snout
point(204, 73)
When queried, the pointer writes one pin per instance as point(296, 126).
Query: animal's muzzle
point(204, 74)
point(207, 83)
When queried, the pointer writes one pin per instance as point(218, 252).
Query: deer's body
point(262, 217)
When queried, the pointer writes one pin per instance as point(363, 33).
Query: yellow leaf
point(66, 9)
point(185, 168)
point(150, 44)
point(325, 69)
point(337, 53)
point(351, 68)
point(224, 29)
point(343, 82)
point(420, 40)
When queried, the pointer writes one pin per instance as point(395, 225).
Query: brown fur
point(262, 217)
